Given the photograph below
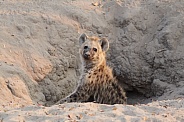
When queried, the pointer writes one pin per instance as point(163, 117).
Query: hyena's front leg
point(81, 94)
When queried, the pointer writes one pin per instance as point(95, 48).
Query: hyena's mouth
point(86, 56)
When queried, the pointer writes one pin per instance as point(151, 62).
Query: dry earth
point(164, 111)
point(39, 62)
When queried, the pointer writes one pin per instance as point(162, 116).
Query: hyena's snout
point(86, 55)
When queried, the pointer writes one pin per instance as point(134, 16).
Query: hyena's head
point(92, 49)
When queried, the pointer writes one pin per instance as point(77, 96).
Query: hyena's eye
point(85, 47)
point(94, 49)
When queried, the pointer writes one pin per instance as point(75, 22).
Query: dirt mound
point(147, 51)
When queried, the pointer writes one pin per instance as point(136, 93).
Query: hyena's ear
point(82, 38)
point(104, 44)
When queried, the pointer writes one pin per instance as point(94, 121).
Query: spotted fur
point(97, 82)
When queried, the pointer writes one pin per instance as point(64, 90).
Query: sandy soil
point(163, 111)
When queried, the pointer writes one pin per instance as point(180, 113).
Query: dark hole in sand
point(134, 97)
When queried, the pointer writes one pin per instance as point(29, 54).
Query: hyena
point(97, 82)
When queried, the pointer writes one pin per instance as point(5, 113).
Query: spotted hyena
point(97, 82)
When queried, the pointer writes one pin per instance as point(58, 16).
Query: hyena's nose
point(86, 55)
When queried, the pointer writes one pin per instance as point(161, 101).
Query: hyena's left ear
point(104, 44)
point(82, 38)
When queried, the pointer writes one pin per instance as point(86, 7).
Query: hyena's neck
point(88, 67)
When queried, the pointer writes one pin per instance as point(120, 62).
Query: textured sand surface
point(164, 111)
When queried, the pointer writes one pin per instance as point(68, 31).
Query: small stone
point(99, 31)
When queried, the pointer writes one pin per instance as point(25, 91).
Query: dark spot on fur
point(119, 93)
point(113, 84)
point(112, 93)
point(92, 81)
point(89, 76)
point(94, 88)
point(113, 97)
point(91, 99)
point(117, 100)
point(74, 96)
point(82, 95)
